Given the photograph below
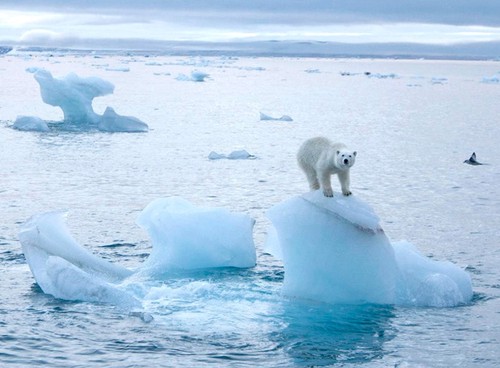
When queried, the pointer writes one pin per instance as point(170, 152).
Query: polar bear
point(320, 158)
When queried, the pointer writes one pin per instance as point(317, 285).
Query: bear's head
point(345, 159)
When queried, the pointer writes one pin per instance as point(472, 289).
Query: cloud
point(285, 12)
point(43, 37)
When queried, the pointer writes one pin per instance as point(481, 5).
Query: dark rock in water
point(5, 49)
point(472, 160)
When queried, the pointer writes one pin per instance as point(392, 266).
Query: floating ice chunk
point(66, 270)
point(196, 76)
point(235, 155)
point(382, 76)
point(73, 94)
point(30, 123)
point(240, 155)
point(124, 69)
point(216, 156)
point(495, 79)
point(268, 117)
point(438, 80)
point(335, 251)
point(110, 121)
point(186, 237)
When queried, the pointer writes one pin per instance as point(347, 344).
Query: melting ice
point(184, 237)
point(333, 251)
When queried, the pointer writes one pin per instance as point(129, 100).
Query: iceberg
point(187, 237)
point(335, 251)
point(268, 117)
point(74, 95)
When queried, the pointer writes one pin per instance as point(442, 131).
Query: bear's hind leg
point(313, 180)
point(326, 184)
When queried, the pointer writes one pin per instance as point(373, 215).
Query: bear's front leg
point(344, 179)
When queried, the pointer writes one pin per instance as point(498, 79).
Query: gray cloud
point(285, 12)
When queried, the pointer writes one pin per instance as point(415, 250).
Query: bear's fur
point(320, 158)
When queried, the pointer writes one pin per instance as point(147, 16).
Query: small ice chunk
point(235, 155)
point(196, 76)
point(110, 121)
point(124, 69)
point(495, 79)
point(31, 123)
point(268, 117)
point(216, 156)
point(240, 155)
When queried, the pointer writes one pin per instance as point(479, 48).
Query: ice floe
point(335, 251)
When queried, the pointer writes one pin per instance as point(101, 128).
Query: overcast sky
point(71, 22)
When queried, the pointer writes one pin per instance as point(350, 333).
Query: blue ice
point(74, 95)
point(333, 250)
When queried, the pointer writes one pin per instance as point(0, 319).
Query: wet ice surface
point(411, 144)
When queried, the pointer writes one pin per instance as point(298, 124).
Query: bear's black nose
point(346, 161)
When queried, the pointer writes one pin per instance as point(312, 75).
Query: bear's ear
point(354, 153)
point(338, 152)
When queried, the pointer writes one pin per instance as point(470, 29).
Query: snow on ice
point(335, 251)
point(74, 95)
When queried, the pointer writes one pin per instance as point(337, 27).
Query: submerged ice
point(74, 95)
point(335, 251)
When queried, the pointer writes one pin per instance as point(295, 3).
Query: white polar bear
point(320, 158)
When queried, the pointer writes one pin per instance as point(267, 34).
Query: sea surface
point(412, 122)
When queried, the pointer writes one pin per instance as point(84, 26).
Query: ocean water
point(413, 123)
